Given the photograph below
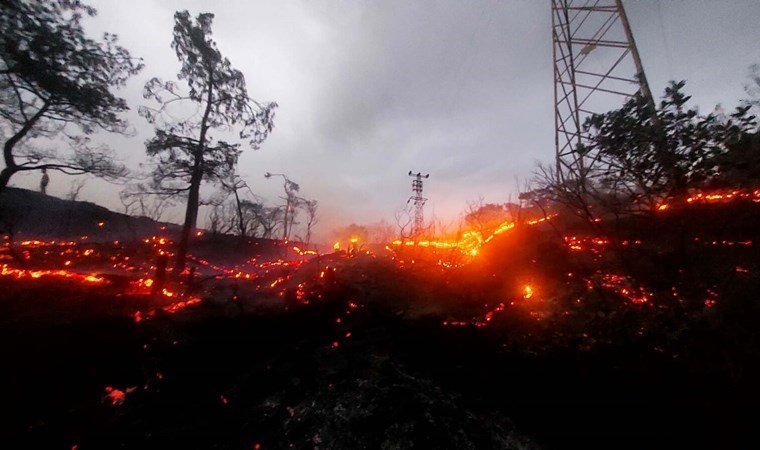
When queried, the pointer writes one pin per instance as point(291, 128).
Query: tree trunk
point(285, 221)
point(241, 222)
point(5, 177)
point(10, 162)
point(191, 215)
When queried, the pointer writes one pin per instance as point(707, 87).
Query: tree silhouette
point(292, 203)
point(646, 160)
point(184, 151)
point(650, 161)
point(310, 207)
point(55, 82)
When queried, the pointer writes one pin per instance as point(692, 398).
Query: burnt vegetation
point(614, 308)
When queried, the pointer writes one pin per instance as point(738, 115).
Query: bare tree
point(310, 207)
point(222, 218)
point(138, 199)
point(292, 202)
point(234, 185)
point(270, 218)
point(563, 190)
point(404, 221)
point(246, 217)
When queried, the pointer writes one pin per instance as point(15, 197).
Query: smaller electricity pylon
point(419, 202)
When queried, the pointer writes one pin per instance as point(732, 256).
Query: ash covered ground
point(535, 343)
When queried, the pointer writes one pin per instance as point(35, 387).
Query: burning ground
point(521, 337)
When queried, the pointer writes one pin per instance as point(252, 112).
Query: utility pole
point(597, 67)
point(419, 202)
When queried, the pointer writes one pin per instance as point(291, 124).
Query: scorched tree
point(216, 99)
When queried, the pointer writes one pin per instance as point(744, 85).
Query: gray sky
point(369, 90)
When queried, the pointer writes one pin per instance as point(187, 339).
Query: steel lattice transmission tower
point(596, 68)
point(419, 202)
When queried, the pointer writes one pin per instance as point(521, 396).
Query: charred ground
point(648, 341)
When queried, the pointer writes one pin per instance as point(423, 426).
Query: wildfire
point(471, 241)
point(277, 278)
point(178, 306)
point(621, 285)
point(716, 197)
point(477, 322)
point(8, 271)
point(300, 252)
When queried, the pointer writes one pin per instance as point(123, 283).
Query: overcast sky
point(369, 90)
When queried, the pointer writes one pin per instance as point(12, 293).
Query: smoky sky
point(369, 90)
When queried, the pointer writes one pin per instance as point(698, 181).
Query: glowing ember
point(623, 286)
point(716, 197)
point(300, 252)
point(8, 271)
point(720, 197)
point(115, 396)
point(174, 307)
point(471, 241)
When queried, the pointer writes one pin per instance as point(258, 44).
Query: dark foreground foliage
point(382, 353)
point(215, 377)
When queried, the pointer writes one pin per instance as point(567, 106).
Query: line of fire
point(612, 304)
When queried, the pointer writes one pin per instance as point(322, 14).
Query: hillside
point(32, 214)
point(29, 215)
